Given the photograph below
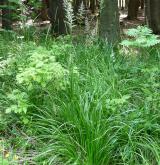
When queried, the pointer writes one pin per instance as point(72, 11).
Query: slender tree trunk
point(153, 15)
point(93, 6)
point(58, 17)
point(133, 7)
point(147, 12)
point(109, 21)
point(142, 4)
point(44, 10)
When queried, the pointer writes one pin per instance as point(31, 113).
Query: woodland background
point(79, 82)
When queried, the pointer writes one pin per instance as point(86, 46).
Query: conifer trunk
point(58, 17)
point(133, 6)
point(109, 21)
point(153, 15)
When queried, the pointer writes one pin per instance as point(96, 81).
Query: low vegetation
point(74, 102)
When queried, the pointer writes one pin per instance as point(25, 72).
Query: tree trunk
point(6, 15)
point(58, 17)
point(44, 10)
point(93, 6)
point(133, 7)
point(126, 4)
point(153, 15)
point(109, 21)
point(142, 4)
point(147, 12)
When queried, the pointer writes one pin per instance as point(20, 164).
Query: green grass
point(108, 113)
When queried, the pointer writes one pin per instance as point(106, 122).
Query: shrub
point(34, 76)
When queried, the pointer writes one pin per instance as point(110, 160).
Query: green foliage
point(83, 104)
point(19, 100)
point(107, 116)
point(141, 37)
point(6, 157)
point(42, 69)
point(4, 161)
point(33, 76)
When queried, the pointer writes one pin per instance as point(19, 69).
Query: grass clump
point(106, 113)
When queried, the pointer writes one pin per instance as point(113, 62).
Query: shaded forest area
point(79, 82)
point(64, 15)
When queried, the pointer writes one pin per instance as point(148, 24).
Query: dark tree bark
point(142, 4)
point(93, 6)
point(109, 21)
point(153, 15)
point(58, 17)
point(6, 15)
point(147, 12)
point(133, 7)
point(44, 10)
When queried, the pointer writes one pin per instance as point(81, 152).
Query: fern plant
point(141, 37)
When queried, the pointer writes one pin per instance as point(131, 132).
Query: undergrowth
point(100, 108)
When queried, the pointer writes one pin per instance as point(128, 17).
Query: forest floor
point(107, 112)
point(85, 102)
point(131, 23)
point(90, 26)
